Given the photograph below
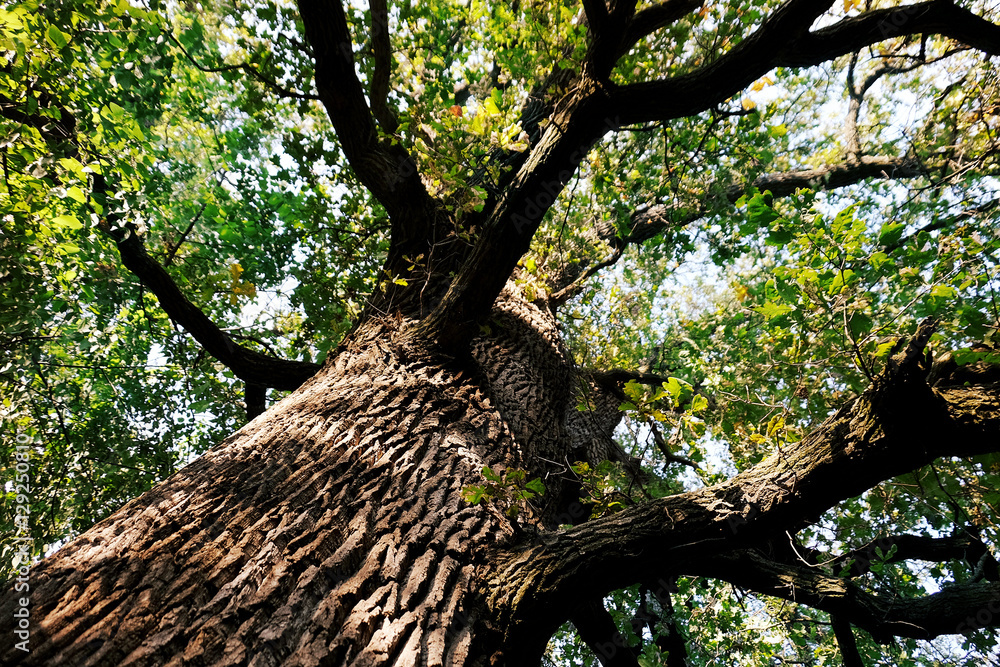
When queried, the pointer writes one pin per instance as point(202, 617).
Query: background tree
point(645, 334)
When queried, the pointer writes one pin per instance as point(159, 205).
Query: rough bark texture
point(331, 530)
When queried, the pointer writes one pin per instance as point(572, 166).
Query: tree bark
point(333, 530)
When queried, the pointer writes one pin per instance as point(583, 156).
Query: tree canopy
point(745, 216)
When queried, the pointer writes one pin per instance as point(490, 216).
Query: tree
point(505, 401)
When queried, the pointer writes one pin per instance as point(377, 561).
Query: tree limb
point(846, 641)
point(382, 51)
point(506, 235)
point(897, 425)
point(917, 547)
point(252, 367)
point(597, 14)
point(671, 643)
point(956, 609)
point(940, 17)
point(383, 166)
point(648, 223)
point(255, 397)
point(783, 40)
point(598, 631)
point(594, 108)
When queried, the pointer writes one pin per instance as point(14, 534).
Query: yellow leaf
point(235, 270)
point(748, 104)
point(742, 293)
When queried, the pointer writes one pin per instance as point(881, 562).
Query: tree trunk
point(334, 529)
point(330, 530)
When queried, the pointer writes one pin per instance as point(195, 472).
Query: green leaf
point(860, 324)
point(759, 210)
point(113, 112)
point(842, 221)
point(73, 165)
point(67, 222)
point(883, 349)
point(57, 38)
point(890, 233)
point(878, 259)
point(473, 494)
point(770, 310)
point(943, 291)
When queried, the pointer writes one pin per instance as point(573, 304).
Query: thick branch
point(598, 631)
point(255, 397)
point(671, 642)
point(784, 40)
point(252, 367)
point(918, 547)
point(608, 30)
point(956, 609)
point(508, 230)
point(712, 84)
point(648, 223)
point(940, 17)
point(845, 640)
point(382, 51)
point(597, 14)
point(384, 167)
point(896, 426)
